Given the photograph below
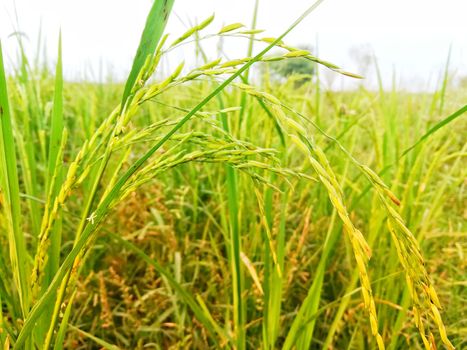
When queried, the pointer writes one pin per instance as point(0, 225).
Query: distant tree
point(300, 67)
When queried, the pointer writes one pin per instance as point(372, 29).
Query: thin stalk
point(445, 83)
point(235, 248)
point(246, 76)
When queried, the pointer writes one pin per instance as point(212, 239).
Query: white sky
point(411, 37)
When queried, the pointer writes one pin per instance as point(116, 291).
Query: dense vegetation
point(206, 210)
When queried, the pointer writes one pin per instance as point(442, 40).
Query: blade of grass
point(28, 156)
point(53, 183)
point(435, 128)
point(445, 82)
point(247, 73)
point(10, 185)
point(235, 246)
point(54, 170)
point(56, 122)
point(103, 343)
point(152, 33)
point(273, 280)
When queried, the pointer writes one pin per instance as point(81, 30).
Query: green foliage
point(201, 211)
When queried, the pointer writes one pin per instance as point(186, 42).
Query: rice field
point(214, 209)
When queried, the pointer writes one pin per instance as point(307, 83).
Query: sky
point(409, 38)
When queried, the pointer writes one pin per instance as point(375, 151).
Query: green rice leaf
point(10, 189)
point(436, 127)
point(95, 339)
point(152, 33)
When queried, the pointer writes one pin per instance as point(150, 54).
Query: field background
point(231, 228)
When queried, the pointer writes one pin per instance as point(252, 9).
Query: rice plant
point(207, 210)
